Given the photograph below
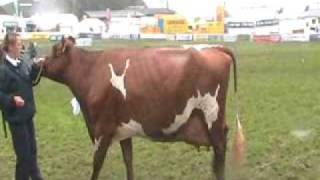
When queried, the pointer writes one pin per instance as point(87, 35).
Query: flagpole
point(16, 7)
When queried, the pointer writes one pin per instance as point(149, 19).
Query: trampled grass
point(280, 109)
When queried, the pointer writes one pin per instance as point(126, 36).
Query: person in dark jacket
point(18, 106)
point(32, 51)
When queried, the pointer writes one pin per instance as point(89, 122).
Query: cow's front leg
point(101, 146)
point(126, 147)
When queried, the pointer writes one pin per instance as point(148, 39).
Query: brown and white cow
point(165, 94)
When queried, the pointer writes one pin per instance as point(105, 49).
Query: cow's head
point(57, 64)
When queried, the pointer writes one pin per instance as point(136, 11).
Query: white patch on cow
point(118, 81)
point(200, 46)
point(75, 106)
point(207, 103)
point(127, 130)
point(97, 144)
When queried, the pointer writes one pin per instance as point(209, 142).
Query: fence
point(54, 36)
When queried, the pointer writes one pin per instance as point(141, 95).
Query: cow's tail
point(239, 144)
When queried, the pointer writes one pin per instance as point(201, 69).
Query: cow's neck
point(80, 71)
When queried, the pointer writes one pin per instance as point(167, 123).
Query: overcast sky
point(206, 8)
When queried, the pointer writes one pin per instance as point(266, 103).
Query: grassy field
point(280, 109)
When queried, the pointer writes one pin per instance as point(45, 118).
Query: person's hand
point(37, 60)
point(18, 101)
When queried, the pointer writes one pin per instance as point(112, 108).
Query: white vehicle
point(64, 23)
point(11, 24)
point(91, 27)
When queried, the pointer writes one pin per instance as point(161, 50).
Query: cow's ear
point(65, 46)
point(56, 50)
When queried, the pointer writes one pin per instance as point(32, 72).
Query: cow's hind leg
point(219, 142)
point(126, 147)
point(102, 146)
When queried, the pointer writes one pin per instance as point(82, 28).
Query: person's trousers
point(24, 143)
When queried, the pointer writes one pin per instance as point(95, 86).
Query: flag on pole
point(108, 14)
point(108, 18)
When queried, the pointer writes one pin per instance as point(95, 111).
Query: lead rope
point(37, 80)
